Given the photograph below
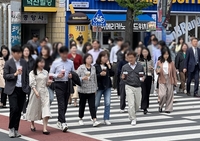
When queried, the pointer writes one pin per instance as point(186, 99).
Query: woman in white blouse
point(39, 105)
point(167, 80)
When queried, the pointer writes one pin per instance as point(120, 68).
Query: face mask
point(109, 42)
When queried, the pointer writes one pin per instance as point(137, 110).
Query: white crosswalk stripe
point(182, 124)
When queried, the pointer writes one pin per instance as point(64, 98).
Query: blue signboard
point(99, 19)
point(15, 34)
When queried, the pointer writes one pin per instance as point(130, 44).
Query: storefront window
point(106, 36)
point(191, 26)
point(180, 29)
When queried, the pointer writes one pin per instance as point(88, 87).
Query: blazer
point(103, 82)
point(190, 61)
point(171, 73)
point(180, 61)
point(11, 80)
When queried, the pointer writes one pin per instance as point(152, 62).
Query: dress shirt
point(165, 67)
point(156, 54)
point(133, 66)
point(194, 49)
point(19, 76)
point(57, 67)
point(95, 54)
point(113, 54)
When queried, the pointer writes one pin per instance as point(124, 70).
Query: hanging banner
point(159, 14)
point(168, 12)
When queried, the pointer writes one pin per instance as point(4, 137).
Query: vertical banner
point(159, 14)
point(15, 23)
point(168, 12)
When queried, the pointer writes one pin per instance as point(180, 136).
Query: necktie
point(196, 56)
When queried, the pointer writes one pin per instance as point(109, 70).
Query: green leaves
point(135, 5)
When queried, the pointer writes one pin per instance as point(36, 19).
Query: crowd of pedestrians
point(86, 72)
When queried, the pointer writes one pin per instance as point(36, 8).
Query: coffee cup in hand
point(63, 71)
point(50, 76)
point(125, 73)
point(141, 74)
point(87, 73)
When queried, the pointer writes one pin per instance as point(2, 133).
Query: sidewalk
point(56, 134)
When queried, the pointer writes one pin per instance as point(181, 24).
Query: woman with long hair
point(86, 47)
point(39, 105)
point(26, 55)
point(167, 80)
point(147, 63)
point(55, 54)
point(87, 90)
point(138, 50)
point(4, 56)
point(179, 63)
point(104, 72)
point(45, 54)
point(180, 43)
point(77, 60)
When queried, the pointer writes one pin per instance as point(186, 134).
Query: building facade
point(185, 20)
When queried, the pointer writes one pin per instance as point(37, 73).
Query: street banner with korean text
point(168, 12)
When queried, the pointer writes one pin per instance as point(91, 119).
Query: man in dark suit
point(192, 66)
point(16, 87)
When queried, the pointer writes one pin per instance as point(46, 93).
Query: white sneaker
point(64, 127)
point(107, 122)
point(133, 122)
point(81, 122)
point(185, 91)
point(24, 116)
point(96, 123)
point(155, 93)
point(59, 125)
point(175, 92)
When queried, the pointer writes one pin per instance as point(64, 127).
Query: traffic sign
point(98, 19)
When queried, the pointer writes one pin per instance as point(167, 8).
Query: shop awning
point(122, 17)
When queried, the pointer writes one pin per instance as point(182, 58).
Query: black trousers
point(62, 94)
point(118, 85)
point(146, 89)
point(193, 75)
point(26, 104)
point(91, 102)
point(16, 100)
point(3, 97)
point(122, 95)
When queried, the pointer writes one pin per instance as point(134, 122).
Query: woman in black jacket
point(26, 55)
point(104, 72)
point(179, 63)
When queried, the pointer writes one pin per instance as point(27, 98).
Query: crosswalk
point(182, 124)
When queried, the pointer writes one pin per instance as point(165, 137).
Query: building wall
point(55, 29)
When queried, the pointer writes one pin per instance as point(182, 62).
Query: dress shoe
point(12, 133)
point(168, 112)
point(188, 94)
point(160, 109)
point(196, 95)
point(33, 129)
point(145, 111)
point(46, 133)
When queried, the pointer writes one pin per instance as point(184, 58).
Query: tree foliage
point(135, 5)
point(134, 8)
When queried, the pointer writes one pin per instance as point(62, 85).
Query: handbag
point(51, 95)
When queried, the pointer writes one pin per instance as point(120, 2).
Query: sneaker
point(122, 111)
point(155, 93)
point(107, 122)
point(96, 123)
point(133, 122)
point(12, 133)
point(23, 116)
point(64, 127)
point(59, 125)
point(185, 91)
point(175, 92)
point(17, 134)
point(81, 122)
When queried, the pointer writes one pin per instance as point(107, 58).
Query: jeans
point(107, 93)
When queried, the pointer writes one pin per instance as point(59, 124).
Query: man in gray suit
point(16, 87)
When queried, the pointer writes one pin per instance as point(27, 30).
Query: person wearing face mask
point(110, 44)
